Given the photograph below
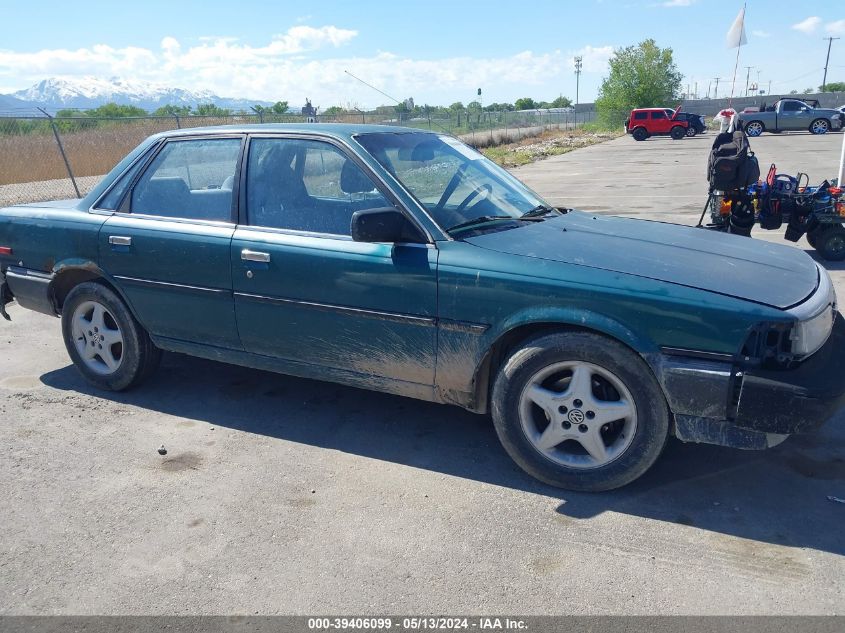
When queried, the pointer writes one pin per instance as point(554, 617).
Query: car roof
point(338, 130)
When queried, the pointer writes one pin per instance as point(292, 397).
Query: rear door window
point(190, 179)
point(658, 115)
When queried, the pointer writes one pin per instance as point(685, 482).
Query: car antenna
point(391, 98)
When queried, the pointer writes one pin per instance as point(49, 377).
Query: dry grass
point(549, 143)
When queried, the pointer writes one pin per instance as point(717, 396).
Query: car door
point(660, 123)
point(791, 116)
point(168, 244)
point(305, 292)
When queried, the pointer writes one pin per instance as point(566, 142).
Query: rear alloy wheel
point(755, 128)
point(830, 243)
point(819, 126)
point(678, 132)
point(691, 131)
point(640, 134)
point(105, 342)
point(580, 411)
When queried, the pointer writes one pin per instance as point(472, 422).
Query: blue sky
point(435, 51)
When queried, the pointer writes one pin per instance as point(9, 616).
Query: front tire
point(755, 128)
point(579, 411)
point(691, 131)
point(108, 346)
point(819, 126)
point(678, 132)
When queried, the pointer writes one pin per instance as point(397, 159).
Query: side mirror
point(383, 225)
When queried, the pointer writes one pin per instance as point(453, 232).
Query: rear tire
point(678, 132)
point(580, 411)
point(640, 134)
point(108, 346)
point(755, 128)
point(830, 243)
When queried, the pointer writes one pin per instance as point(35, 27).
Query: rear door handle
point(120, 240)
point(255, 256)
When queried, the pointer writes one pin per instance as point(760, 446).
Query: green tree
point(115, 111)
point(808, 91)
point(834, 86)
point(209, 109)
point(642, 76)
point(526, 103)
point(172, 110)
point(280, 107)
point(561, 102)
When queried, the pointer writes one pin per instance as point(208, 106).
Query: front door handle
point(120, 240)
point(255, 256)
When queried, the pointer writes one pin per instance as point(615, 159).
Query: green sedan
point(406, 262)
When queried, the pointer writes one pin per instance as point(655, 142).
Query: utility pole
point(695, 92)
point(827, 61)
point(578, 64)
point(716, 93)
point(747, 77)
point(758, 81)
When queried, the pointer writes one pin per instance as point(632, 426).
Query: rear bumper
point(31, 289)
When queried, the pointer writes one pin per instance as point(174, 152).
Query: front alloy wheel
point(819, 126)
point(578, 414)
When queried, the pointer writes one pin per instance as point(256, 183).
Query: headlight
point(815, 318)
point(808, 336)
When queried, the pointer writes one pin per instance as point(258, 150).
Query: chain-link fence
point(44, 158)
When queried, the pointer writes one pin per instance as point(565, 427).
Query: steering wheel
point(486, 189)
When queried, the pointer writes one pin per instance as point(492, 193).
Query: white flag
point(736, 34)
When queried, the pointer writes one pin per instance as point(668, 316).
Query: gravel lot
point(281, 495)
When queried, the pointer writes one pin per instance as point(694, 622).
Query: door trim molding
point(167, 284)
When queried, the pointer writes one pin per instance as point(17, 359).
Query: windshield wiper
point(537, 212)
point(480, 220)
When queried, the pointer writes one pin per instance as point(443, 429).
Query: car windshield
point(456, 184)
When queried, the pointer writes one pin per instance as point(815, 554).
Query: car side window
point(791, 106)
point(112, 200)
point(306, 185)
point(658, 115)
point(640, 116)
point(191, 179)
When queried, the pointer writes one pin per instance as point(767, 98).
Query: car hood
point(741, 267)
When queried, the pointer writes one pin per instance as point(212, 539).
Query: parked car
point(645, 122)
point(696, 122)
point(790, 115)
point(404, 261)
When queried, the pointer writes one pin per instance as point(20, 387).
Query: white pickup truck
point(790, 115)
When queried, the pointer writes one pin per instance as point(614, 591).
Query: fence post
point(62, 151)
point(178, 122)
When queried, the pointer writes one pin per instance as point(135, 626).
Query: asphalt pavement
point(286, 496)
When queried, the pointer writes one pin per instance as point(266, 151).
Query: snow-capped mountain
point(90, 92)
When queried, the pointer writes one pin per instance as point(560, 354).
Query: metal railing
point(47, 157)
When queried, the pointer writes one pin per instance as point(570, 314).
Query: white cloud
point(284, 69)
point(678, 3)
point(809, 25)
point(758, 33)
point(836, 28)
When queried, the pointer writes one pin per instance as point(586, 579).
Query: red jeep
point(645, 122)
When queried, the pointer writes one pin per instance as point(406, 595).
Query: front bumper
point(716, 403)
point(796, 400)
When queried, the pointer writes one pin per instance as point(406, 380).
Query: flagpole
point(736, 63)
